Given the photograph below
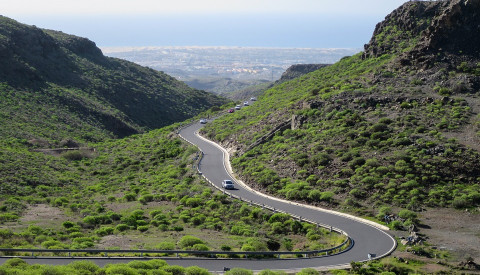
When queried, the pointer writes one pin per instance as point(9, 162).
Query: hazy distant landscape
point(247, 65)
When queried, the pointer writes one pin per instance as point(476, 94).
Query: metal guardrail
point(147, 253)
point(330, 228)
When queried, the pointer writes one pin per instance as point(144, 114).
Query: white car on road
point(228, 184)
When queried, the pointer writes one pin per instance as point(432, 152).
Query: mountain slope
point(61, 86)
point(396, 124)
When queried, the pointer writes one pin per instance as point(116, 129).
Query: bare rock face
point(401, 27)
point(456, 30)
point(423, 31)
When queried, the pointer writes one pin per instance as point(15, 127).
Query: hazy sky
point(268, 23)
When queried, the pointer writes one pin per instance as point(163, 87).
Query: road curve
point(366, 237)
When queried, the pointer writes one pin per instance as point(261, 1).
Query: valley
point(390, 135)
point(225, 70)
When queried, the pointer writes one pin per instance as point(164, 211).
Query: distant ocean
point(257, 30)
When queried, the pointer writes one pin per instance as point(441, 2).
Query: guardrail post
point(106, 254)
point(278, 256)
point(177, 254)
point(141, 254)
point(69, 254)
point(33, 254)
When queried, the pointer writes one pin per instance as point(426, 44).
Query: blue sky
point(254, 23)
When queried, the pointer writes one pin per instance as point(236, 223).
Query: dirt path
point(453, 230)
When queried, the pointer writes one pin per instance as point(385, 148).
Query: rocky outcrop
point(298, 70)
point(401, 26)
point(455, 30)
point(428, 28)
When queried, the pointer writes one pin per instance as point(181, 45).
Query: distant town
point(240, 63)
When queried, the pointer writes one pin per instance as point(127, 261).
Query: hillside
point(133, 193)
point(395, 125)
point(56, 86)
point(126, 186)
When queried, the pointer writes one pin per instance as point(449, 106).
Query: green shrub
point(384, 210)
point(142, 228)
point(154, 213)
point(357, 193)
point(194, 202)
point(195, 270)
point(460, 202)
point(130, 196)
point(279, 217)
point(74, 235)
point(356, 162)
point(175, 269)
point(239, 271)
point(88, 267)
point(408, 215)
point(104, 231)
point(157, 263)
point(314, 195)
point(51, 243)
point(8, 217)
point(60, 201)
point(15, 262)
point(225, 247)
point(200, 247)
point(444, 91)
point(68, 224)
point(177, 228)
point(122, 269)
point(189, 241)
point(140, 265)
point(165, 246)
point(75, 155)
point(327, 196)
point(308, 271)
point(122, 227)
point(271, 272)
point(35, 230)
point(145, 199)
point(396, 225)
point(141, 223)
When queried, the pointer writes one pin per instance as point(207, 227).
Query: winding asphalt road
point(367, 238)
